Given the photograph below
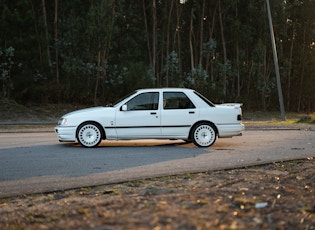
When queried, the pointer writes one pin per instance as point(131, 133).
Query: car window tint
point(144, 101)
point(176, 100)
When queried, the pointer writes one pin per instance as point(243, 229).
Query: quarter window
point(144, 101)
point(176, 100)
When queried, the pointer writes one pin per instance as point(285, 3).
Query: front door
point(139, 117)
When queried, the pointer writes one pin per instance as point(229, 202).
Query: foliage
point(221, 48)
point(6, 65)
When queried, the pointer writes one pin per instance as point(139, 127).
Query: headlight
point(63, 121)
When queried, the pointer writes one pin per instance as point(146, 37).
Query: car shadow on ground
point(72, 160)
point(135, 143)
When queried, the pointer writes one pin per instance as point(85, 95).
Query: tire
point(89, 134)
point(204, 135)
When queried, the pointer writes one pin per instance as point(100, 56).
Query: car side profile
point(161, 113)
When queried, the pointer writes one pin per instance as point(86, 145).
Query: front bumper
point(66, 133)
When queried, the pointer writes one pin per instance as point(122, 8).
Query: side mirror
point(124, 107)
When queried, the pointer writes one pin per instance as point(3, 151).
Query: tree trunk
point(201, 31)
point(98, 75)
point(40, 53)
point(168, 40)
point(104, 48)
point(238, 87)
point(210, 57)
point(265, 80)
point(191, 34)
point(147, 32)
point(290, 67)
point(178, 35)
point(223, 49)
point(56, 42)
point(154, 42)
point(46, 33)
point(303, 62)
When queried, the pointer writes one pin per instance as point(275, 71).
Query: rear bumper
point(66, 133)
point(230, 130)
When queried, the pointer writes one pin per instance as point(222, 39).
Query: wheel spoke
point(89, 135)
point(204, 135)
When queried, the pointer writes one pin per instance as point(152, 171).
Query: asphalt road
point(37, 162)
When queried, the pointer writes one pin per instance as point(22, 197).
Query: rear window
point(204, 99)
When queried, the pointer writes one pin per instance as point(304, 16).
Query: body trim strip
point(137, 127)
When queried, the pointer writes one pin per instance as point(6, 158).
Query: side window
point(176, 100)
point(144, 101)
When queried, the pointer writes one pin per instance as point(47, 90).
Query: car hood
point(88, 110)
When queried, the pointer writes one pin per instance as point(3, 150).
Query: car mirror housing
point(124, 107)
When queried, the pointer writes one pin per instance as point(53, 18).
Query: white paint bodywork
point(159, 123)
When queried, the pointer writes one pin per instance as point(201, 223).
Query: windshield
point(123, 98)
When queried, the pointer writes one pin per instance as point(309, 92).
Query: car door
point(139, 117)
point(177, 115)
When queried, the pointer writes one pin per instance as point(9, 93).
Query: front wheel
point(204, 135)
point(89, 134)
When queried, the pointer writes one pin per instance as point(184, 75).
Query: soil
point(272, 196)
point(280, 195)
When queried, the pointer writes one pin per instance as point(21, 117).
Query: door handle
point(191, 112)
point(153, 113)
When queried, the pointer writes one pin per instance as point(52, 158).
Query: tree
point(46, 32)
point(6, 65)
point(56, 41)
point(219, 47)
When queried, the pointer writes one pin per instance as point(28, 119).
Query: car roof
point(164, 89)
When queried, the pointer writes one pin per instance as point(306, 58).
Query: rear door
point(177, 115)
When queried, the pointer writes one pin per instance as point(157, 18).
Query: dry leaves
point(273, 196)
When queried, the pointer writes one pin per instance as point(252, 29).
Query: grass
point(275, 117)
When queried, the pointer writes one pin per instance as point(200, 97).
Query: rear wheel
point(204, 135)
point(89, 134)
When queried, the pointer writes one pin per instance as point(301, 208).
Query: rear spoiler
point(236, 105)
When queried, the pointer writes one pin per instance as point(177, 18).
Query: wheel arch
point(92, 122)
point(200, 122)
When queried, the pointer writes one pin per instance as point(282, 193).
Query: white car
point(163, 113)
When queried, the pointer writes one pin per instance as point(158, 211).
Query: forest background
point(94, 52)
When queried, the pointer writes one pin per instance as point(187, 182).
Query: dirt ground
point(273, 196)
